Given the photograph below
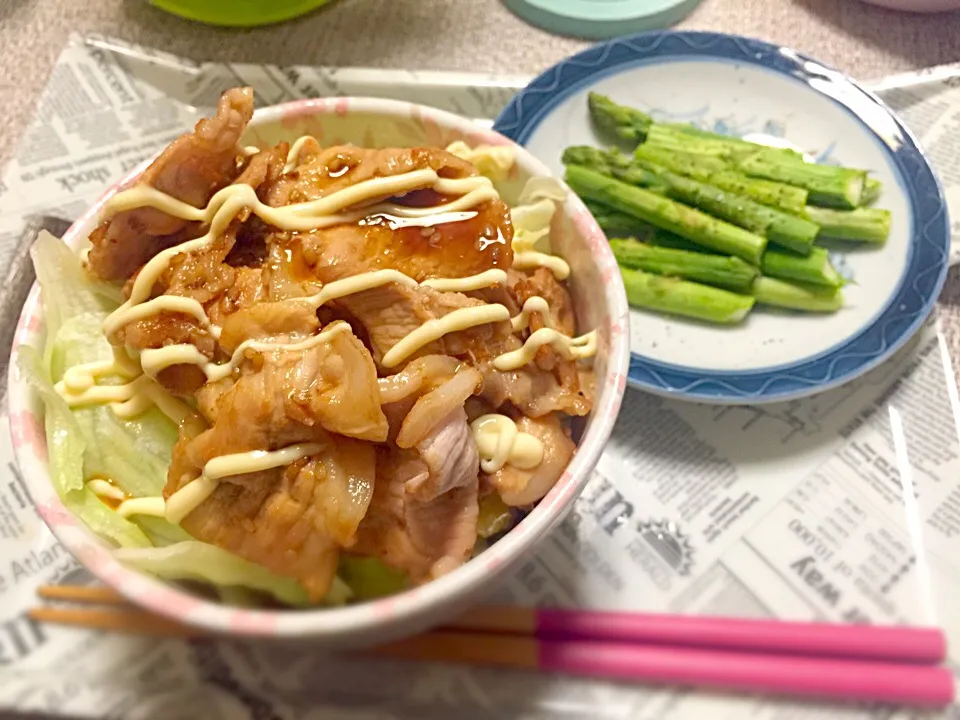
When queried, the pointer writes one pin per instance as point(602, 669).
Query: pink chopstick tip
point(849, 680)
point(885, 643)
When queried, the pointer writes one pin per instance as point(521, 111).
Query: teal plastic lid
point(601, 19)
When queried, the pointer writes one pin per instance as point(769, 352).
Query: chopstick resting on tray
point(864, 663)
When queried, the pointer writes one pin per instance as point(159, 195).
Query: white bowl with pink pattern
point(600, 303)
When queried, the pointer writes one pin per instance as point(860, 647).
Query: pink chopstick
point(867, 642)
point(806, 677)
point(823, 678)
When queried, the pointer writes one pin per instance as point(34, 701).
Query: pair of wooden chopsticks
point(862, 663)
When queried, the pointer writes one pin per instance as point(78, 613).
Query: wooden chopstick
point(116, 619)
point(81, 594)
point(521, 638)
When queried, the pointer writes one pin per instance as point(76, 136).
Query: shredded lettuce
point(369, 578)
point(193, 560)
point(494, 516)
point(66, 447)
point(491, 161)
point(542, 188)
point(66, 291)
point(532, 217)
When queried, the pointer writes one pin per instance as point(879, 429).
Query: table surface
point(469, 35)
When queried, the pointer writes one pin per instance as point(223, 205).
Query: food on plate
point(313, 373)
point(708, 226)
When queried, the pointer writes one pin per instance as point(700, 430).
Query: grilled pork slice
point(293, 520)
point(191, 169)
point(391, 312)
point(285, 396)
point(423, 539)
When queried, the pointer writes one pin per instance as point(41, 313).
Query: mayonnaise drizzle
point(84, 376)
point(534, 304)
point(155, 360)
point(105, 489)
point(293, 155)
point(79, 388)
point(530, 260)
point(231, 200)
point(431, 330)
point(188, 498)
point(499, 443)
point(575, 348)
point(465, 284)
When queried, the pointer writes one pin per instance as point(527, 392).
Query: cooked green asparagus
point(815, 269)
point(617, 224)
point(667, 214)
point(871, 191)
point(864, 224)
point(686, 138)
point(681, 297)
point(723, 271)
point(790, 231)
point(828, 185)
point(787, 230)
point(717, 172)
point(779, 293)
point(625, 123)
point(615, 164)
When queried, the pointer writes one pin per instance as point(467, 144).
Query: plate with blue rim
point(744, 87)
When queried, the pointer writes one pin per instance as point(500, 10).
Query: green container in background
point(238, 13)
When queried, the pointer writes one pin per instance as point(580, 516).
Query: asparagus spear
point(870, 225)
point(613, 163)
point(617, 224)
point(689, 299)
point(619, 121)
point(787, 230)
point(815, 269)
point(667, 214)
point(686, 138)
point(795, 296)
point(715, 171)
point(871, 191)
point(727, 272)
point(829, 185)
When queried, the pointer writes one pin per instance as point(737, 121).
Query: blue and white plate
point(746, 87)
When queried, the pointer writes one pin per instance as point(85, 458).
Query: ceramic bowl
point(600, 302)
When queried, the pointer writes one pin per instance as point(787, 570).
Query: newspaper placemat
point(844, 507)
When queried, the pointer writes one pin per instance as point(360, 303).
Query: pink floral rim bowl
point(600, 303)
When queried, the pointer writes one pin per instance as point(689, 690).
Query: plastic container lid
point(601, 19)
point(238, 13)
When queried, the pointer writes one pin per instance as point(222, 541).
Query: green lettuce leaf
point(369, 578)
point(66, 447)
point(193, 560)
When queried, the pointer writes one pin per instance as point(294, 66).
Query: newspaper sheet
point(844, 507)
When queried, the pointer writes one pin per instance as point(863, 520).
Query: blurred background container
point(238, 13)
point(918, 5)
